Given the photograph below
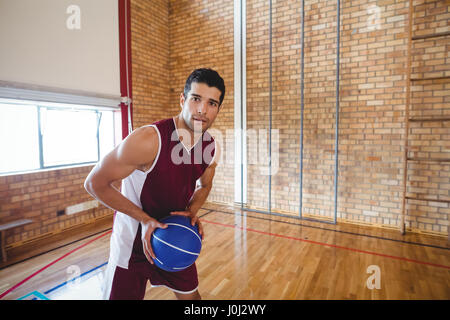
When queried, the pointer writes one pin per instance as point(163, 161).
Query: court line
point(53, 249)
point(36, 295)
point(50, 264)
point(62, 257)
point(327, 244)
point(340, 231)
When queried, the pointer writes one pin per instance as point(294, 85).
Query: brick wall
point(38, 196)
point(372, 105)
point(150, 62)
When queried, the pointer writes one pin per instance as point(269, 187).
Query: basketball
point(178, 246)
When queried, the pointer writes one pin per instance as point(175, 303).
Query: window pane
point(69, 136)
point(19, 142)
point(106, 133)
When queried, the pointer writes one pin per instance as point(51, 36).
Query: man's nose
point(202, 108)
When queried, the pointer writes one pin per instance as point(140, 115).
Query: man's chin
point(199, 126)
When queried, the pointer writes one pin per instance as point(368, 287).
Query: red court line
point(51, 263)
point(328, 245)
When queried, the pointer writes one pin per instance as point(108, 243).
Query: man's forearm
point(114, 199)
point(198, 199)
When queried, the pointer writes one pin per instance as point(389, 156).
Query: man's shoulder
point(155, 127)
point(163, 122)
point(144, 137)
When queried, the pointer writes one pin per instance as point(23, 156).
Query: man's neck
point(181, 125)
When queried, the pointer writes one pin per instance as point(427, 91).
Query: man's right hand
point(148, 226)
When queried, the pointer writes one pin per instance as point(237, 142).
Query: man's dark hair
point(208, 76)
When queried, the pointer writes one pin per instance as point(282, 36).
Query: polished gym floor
point(249, 255)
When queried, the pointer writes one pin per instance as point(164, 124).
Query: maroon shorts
point(130, 284)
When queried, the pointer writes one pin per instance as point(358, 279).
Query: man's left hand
point(194, 220)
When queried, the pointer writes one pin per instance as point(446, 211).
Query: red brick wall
point(38, 196)
point(150, 62)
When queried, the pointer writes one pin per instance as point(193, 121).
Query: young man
point(161, 174)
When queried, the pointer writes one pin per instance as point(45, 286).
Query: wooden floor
point(248, 255)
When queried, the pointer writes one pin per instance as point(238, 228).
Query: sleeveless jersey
point(167, 186)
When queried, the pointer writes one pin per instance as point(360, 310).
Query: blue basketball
point(178, 246)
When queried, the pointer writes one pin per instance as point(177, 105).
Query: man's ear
point(182, 100)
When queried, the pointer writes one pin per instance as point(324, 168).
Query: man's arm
point(203, 190)
point(205, 183)
point(137, 151)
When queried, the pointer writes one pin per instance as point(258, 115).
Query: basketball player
point(161, 174)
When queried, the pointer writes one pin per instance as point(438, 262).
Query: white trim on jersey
point(190, 149)
point(159, 149)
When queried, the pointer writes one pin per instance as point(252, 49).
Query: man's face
point(200, 107)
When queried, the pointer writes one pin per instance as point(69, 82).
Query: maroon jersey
point(172, 182)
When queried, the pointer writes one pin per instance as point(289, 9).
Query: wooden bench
point(7, 226)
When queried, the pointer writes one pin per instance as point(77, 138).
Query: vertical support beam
point(40, 137)
point(336, 158)
point(270, 106)
point(407, 106)
point(99, 120)
point(302, 107)
point(240, 110)
point(125, 67)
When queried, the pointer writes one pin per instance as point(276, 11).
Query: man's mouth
point(199, 119)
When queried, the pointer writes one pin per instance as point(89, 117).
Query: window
point(19, 138)
point(40, 135)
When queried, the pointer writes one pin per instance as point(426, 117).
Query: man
point(161, 174)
